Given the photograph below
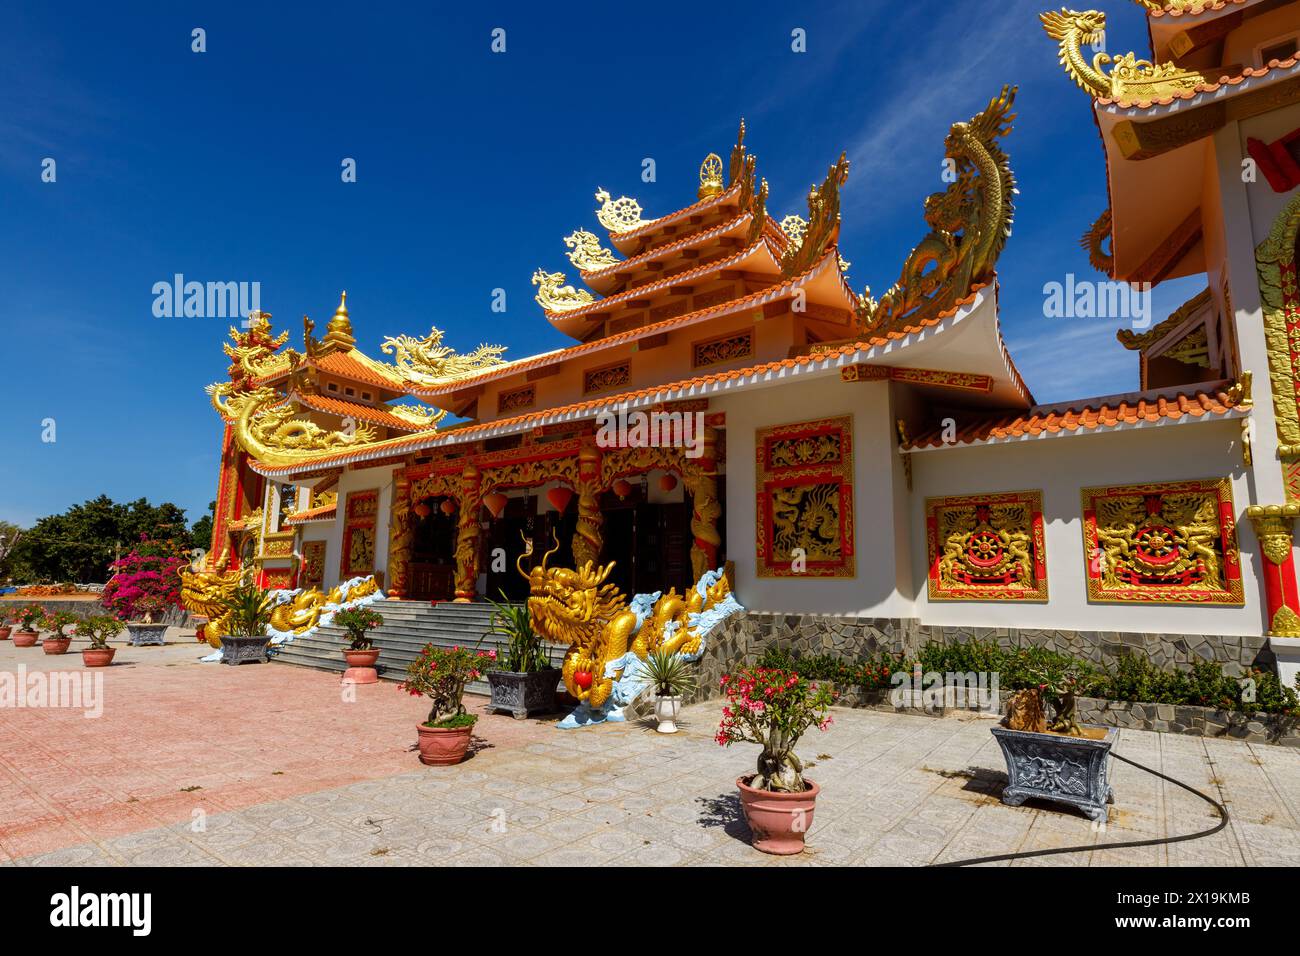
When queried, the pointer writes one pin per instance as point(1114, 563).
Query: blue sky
point(471, 167)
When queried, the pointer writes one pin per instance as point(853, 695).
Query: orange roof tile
point(589, 408)
point(1209, 6)
point(323, 513)
point(365, 413)
point(347, 365)
point(761, 297)
point(667, 249)
point(1088, 415)
point(707, 203)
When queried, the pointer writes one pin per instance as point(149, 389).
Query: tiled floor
point(202, 764)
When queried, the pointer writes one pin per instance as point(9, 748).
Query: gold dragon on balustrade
point(1129, 78)
point(207, 593)
point(579, 607)
point(427, 361)
point(969, 224)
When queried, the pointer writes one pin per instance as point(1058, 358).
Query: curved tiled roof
point(365, 413)
point(1209, 6)
point(831, 357)
point(659, 251)
point(323, 513)
point(696, 207)
point(1085, 416)
point(761, 297)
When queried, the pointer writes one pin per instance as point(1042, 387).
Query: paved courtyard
point(200, 764)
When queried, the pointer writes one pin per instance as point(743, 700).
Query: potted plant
point(1058, 759)
point(144, 587)
point(441, 675)
point(28, 619)
point(250, 613)
point(773, 708)
point(522, 680)
point(56, 622)
point(360, 653)
point(671, 677)
point(98, 629)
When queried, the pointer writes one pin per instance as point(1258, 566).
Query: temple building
point(730, 400)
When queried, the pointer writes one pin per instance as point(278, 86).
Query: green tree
point(79, 544)
point(201, 532)
point(10, 535)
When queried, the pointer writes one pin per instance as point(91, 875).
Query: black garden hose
point(1223, 822)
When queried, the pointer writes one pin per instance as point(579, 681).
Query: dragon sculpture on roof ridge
point(427, 361)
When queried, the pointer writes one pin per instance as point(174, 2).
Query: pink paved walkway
point(242, 735)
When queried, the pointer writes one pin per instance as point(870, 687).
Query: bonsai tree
point(145, 583)
point(56, 621)
point(525, 650)
point(356, 621)
point(670, 673)
point(250, 610)
point(30, 617)
point(772, 708)
point(98, 629)
point(441, 675)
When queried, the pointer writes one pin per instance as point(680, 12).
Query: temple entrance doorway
point(650, 543)
point(433, 554)
point(519, 520)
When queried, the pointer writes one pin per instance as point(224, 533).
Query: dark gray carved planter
point(524, 694)
point(243, 650)
point(1069, 770)
point(141, 633)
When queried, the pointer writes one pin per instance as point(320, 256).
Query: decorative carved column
point(587, 539)
point(701, 477)
point(401, 536)
point(467, 534)
point(1277, 567)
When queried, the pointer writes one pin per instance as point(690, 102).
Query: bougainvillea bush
point(145, 583)
point(772, 708)
point(441, 675)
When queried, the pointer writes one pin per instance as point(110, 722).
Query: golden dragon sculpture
point(969, 225)
point(579, 607)
point(427, 361)
point(266, 427)
point(1129, 78)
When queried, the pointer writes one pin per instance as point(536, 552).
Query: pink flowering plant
point(144, 584)
point(772, 708)
point(441, 674)
point(356, 621)
point(27, 618)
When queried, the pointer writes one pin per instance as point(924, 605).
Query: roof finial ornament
point(710, 176)
point(339, 331)
point(737, 165)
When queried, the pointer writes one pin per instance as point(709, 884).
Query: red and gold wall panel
point(313, 564)
point(1165, 543)
point(804, 509)
point(987, 547)
point(359, 534)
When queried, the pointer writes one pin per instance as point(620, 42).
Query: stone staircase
point(408, 626)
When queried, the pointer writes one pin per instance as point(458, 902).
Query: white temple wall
point(881, 585)
point(365, 479)
point(1060, 467)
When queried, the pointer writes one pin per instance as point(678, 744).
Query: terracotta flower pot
point(361, 666)
point(443, 746)
point(4, 633)
point(779, 821)
point(25, 638)
point(56, 645)
point(98, 656)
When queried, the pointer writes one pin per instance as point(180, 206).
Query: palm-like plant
point(525, 651)
point(670, 673)
point(250, 610)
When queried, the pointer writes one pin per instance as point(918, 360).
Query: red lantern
point(582, 679)
point(496, 503)
point(667, 483)
point(448, 507)
point(422, 509)
point(622, 488)
point(559, 498)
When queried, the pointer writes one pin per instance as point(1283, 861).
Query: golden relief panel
point(1167, 543)
point(313, 564)
point(603, 379)
point(516, 399)
point(804, 506)
point(358, 558)
point(986, 547)
point(728, 348)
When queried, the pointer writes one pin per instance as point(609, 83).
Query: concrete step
point(408, 627)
